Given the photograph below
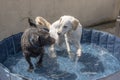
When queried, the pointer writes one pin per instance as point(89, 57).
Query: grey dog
point(33, 41)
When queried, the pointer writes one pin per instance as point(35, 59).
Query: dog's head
point(67, 23)
point(45, 38)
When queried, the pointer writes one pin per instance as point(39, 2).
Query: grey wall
point(13, 12)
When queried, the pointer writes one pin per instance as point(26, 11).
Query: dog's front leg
point(78, 46)
point(39, 63)
point(78, 51)
point(52, 51)
point(30, 63)
point(68, 47)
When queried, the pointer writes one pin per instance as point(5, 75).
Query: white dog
point(71, 28)
point(67, 29)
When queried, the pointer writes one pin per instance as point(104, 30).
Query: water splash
point(95, 62)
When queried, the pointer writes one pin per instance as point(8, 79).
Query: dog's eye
point(65, 26)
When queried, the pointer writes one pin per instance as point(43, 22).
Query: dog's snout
point(58, 33)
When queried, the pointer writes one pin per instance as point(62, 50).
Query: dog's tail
point(31, 23)
point(41, 21)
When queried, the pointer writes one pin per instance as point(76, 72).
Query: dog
point(71, 29)
point(33, 41)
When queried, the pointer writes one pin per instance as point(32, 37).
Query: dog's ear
point(75, 24)
point(39, 21)
point(60, 20)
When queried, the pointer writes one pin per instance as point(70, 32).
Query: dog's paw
point(39, 65)
point(79, 53)
point(30, 70)
point(77, 59)
point(52, 55)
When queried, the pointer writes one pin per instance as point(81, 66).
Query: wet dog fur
point(33, 41)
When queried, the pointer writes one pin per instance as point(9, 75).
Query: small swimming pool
point(100, 58)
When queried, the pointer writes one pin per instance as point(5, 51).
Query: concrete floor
point(110, 28)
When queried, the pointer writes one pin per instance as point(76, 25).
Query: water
point(95, 63)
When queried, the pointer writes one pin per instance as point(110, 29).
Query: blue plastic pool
point(100, 58)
